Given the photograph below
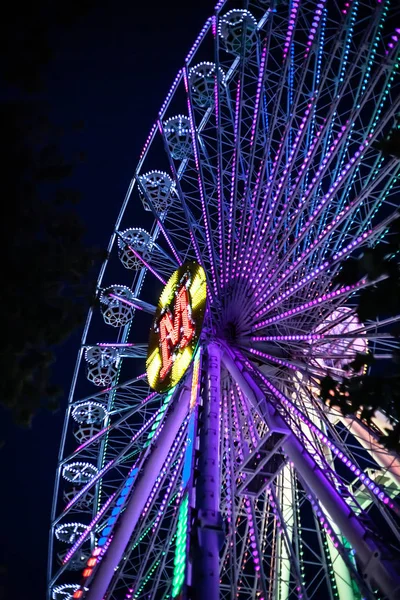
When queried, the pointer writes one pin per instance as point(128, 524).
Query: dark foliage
point(49, 271)
point(367, 387)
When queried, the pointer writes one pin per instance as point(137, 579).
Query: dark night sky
point(112, 70)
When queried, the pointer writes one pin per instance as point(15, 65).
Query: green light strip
point(180, 548)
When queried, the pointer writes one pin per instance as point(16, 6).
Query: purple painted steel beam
point(209, 527)
point(375, 566)
point(137, 501)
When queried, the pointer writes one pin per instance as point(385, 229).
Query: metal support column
point(209, 524)
point(140, 493)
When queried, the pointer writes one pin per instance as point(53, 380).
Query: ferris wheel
point(197, 458)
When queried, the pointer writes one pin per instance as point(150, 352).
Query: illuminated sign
point(176, 327)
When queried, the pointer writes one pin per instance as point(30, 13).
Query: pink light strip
point(88, 529)
point(125, 301)
point(89, 484)
point(90, 440)
point(146, 264)
point(314, 26)
point(110, 345)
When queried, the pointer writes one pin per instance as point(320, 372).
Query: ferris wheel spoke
point(254, 144)
point(319, 301)
point(275, 202)
point(346, 212)
point(200, 177)
point(177, 178)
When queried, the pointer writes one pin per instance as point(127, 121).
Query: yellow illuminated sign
point(176, 327)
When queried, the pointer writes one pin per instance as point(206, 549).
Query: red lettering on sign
point(176, 331)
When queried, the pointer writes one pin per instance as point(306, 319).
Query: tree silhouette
point(49, 275)
point(370, 387)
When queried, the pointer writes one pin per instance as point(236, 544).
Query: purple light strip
point(233, 179)
point(198, 40)
point(239, 243)
point(88, 529)
point(274, 202)
point(293, 410)
point(274, 359)
point(355, 159)
point(110, 345)
point(149, 138)
point(166, 464)
point(263, 218)
point(329, 228)
point(314, 26)
point(90, 483)
point(125, 301)
point(291, 27)
point(196, 251)
point(304, 199)
point(246, 500)
point(258, 94)
point(170, 93)
point(150, 397)
point(287, 338)
point(166, 236)
point(315, 272)
point(200, 181)
point(227, 459)
point(325, 523)
point(146, 264)
point(168, 491)
point(307, 305)
point(395, 37)
point(94, 437)
point(250, 424)
point(219, 166)
point(219, 5)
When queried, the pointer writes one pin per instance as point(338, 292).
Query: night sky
point(112, 70)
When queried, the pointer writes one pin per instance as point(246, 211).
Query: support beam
point(145, 481)
point(383, 457)
point(381, 569)
point(209, 522)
